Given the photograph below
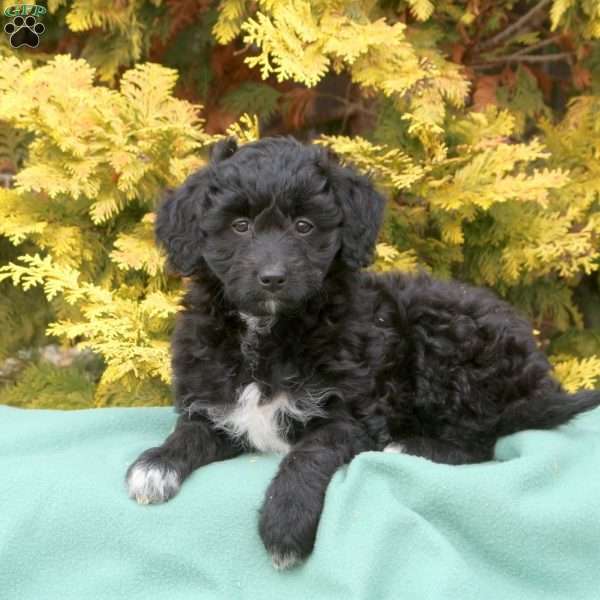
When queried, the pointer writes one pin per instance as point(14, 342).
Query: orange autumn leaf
point(582, 77)
point(485, 92)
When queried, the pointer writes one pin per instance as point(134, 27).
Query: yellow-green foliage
point(47, 386)
point(302, 40)
point(532, 228)
point(577, 374)
point(476, 192)
point(99, 161)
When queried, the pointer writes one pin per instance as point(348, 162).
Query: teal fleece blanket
point(526, 526)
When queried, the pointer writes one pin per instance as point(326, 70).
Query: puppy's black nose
point(272, 277)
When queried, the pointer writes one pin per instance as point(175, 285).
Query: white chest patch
point(263, 425)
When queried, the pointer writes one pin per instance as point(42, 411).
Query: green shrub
point(480, 120)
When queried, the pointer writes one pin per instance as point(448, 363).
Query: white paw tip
point(285, 561)
point(395, 448)
point(150, 485)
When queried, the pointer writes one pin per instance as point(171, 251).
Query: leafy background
point(479, 119)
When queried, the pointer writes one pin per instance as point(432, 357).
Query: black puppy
point(284, 345)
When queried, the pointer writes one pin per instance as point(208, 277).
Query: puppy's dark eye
point(303, 226)
point(241, 225)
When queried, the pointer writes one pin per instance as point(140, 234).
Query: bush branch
point(532, 58)
point(518, 24)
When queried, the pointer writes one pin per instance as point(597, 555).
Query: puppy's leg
point(439, 450)
point(294, 499)
point(158, 473)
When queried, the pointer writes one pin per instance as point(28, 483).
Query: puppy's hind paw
point(152, 481)
point(395, 448)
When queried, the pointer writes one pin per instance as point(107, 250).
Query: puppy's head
point(270, 220)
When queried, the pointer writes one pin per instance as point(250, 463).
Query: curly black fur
point(278, 317)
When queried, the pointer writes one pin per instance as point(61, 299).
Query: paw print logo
point(24, 31)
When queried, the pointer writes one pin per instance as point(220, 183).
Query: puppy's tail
point(546, 412)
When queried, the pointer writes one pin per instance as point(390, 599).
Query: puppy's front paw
point(285, 561)
point(152, 479)
point(288, 526)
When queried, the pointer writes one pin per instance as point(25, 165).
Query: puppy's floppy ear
point(179, 218)
point(362, 207)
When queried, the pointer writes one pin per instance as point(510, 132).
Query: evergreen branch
point(516, 26)
point(347, 99)
point(540, 44)
point(533, 58)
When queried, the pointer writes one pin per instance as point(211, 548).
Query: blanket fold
point(526, 526)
